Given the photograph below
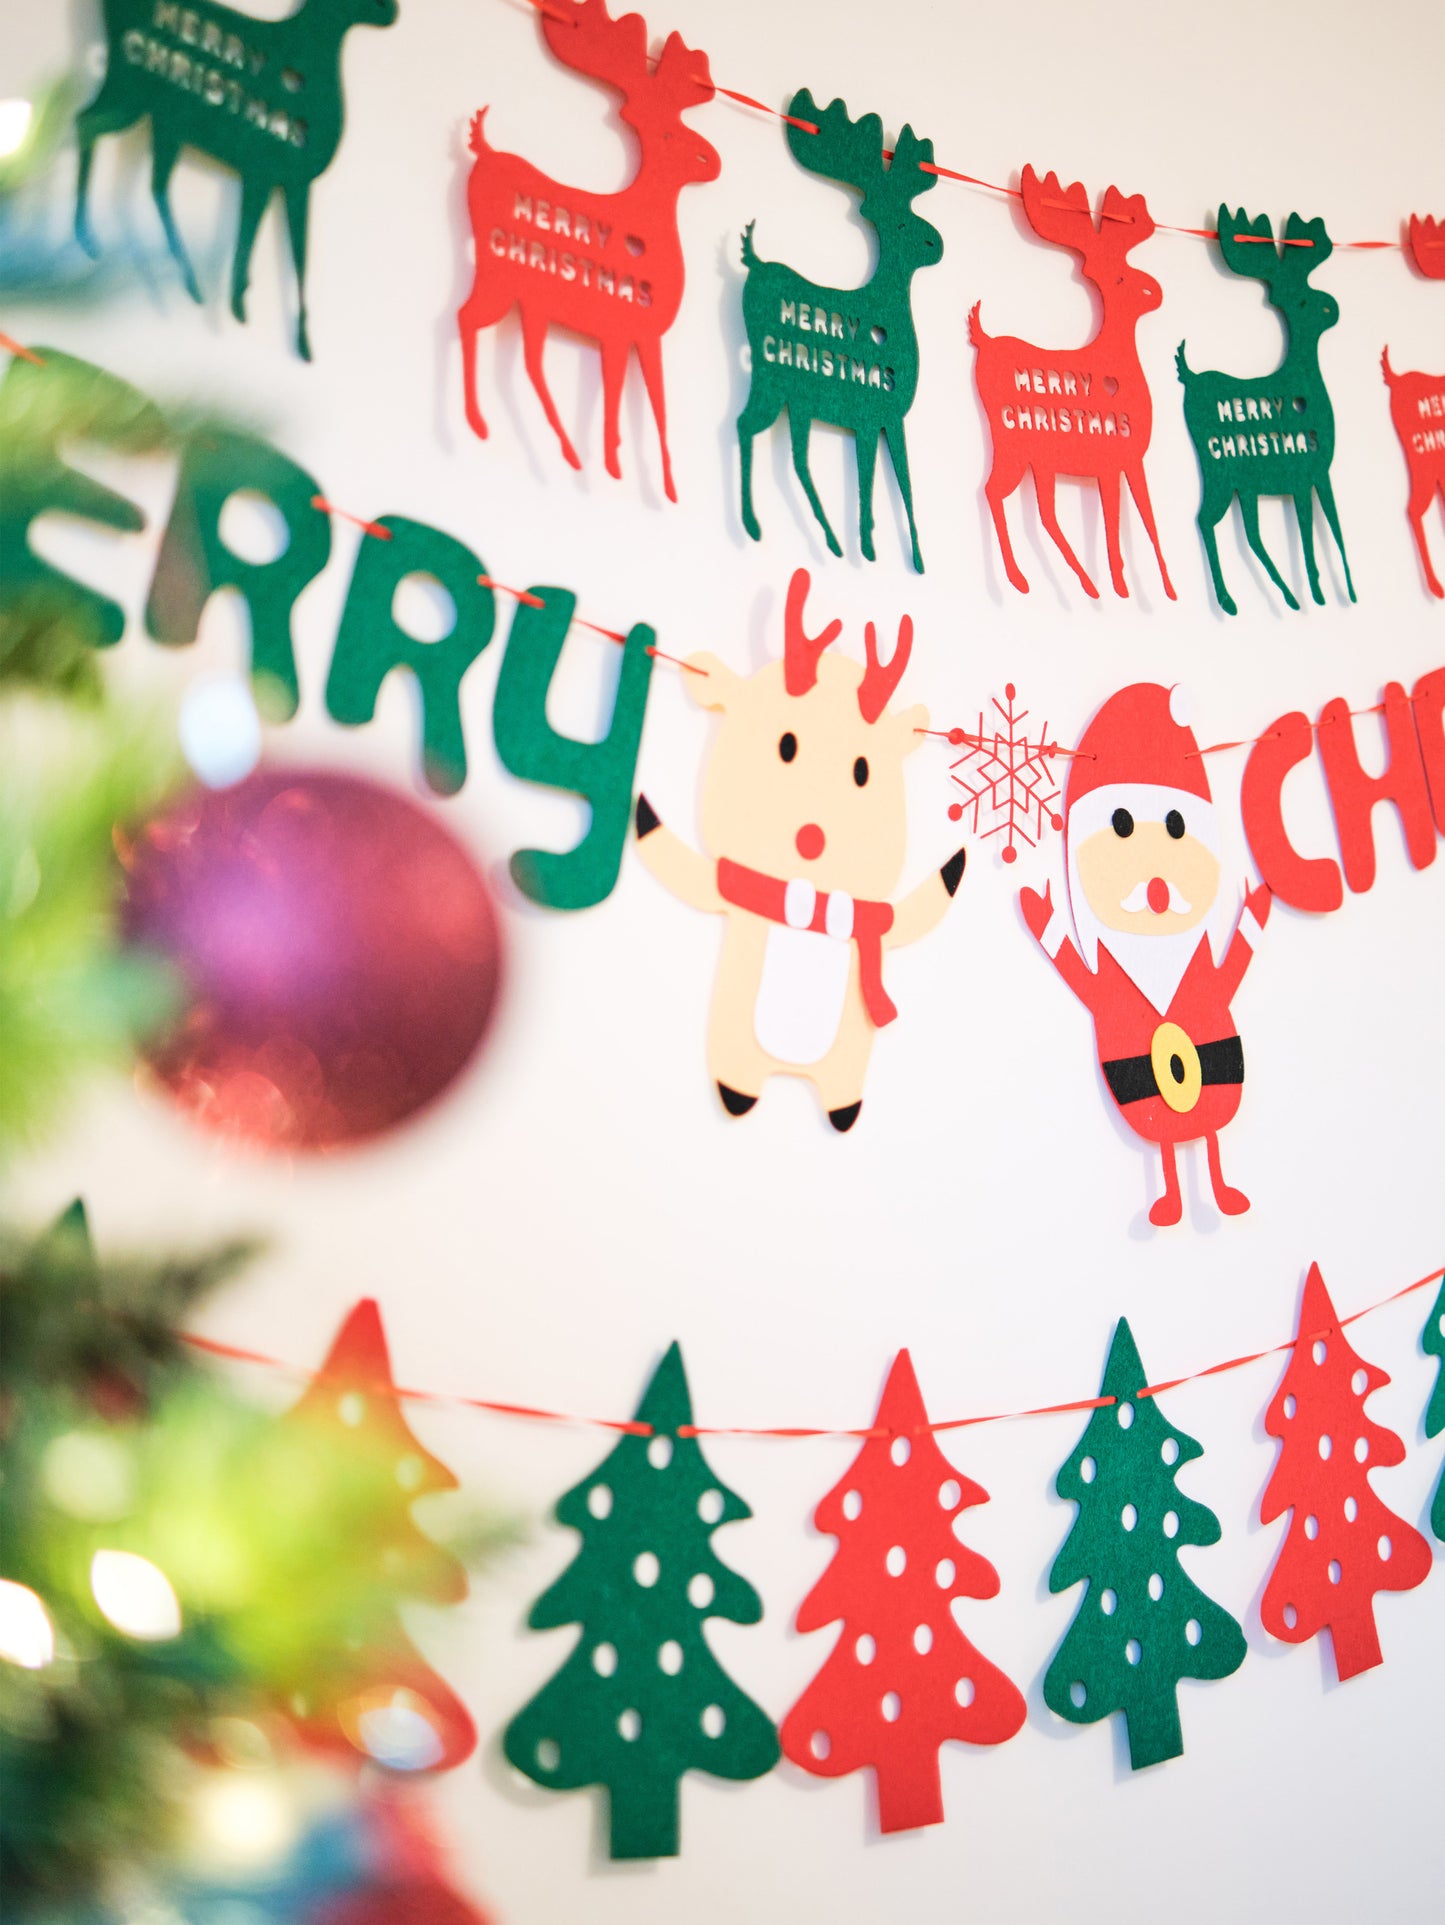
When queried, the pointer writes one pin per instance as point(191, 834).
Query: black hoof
point(734, 1102)
point(844, 1119)
point(952, 871)
point(647, 818)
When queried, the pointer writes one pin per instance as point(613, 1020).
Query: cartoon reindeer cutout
point(1274, 434)
point(805, 826)
point(608, 266)
point(1085, 412)
point(1417, 406)
point(845, 356)
point(261, 96)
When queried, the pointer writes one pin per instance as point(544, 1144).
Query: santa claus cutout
point(1149, 925)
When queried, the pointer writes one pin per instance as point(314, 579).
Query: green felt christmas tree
point(642, 1699)
point(1143, 1624)
point(1433, 1343)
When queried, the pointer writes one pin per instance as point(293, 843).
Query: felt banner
point(607, 266)
point(262, 97)
point(1075, 411)
point(1271, 434)
point(805, 829)
point(848, 356)
point(1432, 1341)
point(1417, 408)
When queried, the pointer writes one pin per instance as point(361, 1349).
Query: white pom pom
point(1181, 705)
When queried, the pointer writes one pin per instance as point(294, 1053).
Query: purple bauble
point(340, 950)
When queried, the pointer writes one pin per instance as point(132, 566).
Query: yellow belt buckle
point(1175, 1062)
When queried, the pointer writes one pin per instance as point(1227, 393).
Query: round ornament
point(339, 950)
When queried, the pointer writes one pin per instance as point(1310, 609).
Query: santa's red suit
point(1167, 1045)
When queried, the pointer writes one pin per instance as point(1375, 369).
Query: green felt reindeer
point(261, 96)
point(845, 356)
point(1274, 434)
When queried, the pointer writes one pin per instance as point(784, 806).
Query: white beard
point(1154, 964)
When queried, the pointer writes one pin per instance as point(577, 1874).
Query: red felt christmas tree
point(1343, 1544)
point(902, 1678)
point(379, 1695)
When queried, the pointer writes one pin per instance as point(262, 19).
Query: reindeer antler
point(881, 678)
point(1063, 216)
point(683, 76)
point(802, 651)
point(583, 36)
point(842, 149)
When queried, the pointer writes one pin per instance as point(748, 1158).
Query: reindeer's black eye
point(788, 747)
point(1174, 823)
point(860, 771)
point(1123, 822)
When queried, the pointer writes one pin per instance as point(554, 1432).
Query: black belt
point(1131, 1078)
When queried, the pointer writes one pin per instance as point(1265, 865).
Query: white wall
point(581, 1199)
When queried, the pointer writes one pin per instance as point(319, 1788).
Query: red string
point(521, 594)
point(26, 354)
point(636, 1428)
point(367, 527)
point(1325, 721)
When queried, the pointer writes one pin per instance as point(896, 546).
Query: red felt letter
point(1428, 699)
point(1354, 794)
point(1305, 882)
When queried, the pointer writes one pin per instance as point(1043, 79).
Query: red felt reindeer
point(608, 266)
point(1417, 406)
point(1085, 411)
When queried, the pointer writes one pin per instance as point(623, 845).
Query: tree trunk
point(1154, 1730)
point(1356, 1642)
point(909, 1791)
point(643, 1818)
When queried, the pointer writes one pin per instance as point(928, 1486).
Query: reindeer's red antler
point(881, 678)
point(801, 651)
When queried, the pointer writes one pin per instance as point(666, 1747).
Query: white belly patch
point(800, 996)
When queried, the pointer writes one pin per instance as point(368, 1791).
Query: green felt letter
point(195, 561)
point(601, 772)
point(371, 642)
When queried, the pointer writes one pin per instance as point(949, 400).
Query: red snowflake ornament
point(1343, 1544)
point(1009, 776)
point(902, 1678)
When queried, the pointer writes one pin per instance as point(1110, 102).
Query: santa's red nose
point(1158, 894)
point(810, 840)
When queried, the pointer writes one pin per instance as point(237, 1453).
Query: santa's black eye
point(788, 747)
point(1174, 823)
point(860, 771)
point(1123, 822)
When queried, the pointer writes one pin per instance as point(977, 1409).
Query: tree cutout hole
point(1362, 1449)
point(1171, 1523)
point(923, 1636)
point(1290, 1405)
point(713, 1720)
point(1194, 1630)
point(1335, 1571)
point(1156, 1586)
point(659, 1452)
point(701, 1591)
point(1352, 1510)
point(351, 1408)
point(710, 1507)
point(1360, 1382)
point(1327, 1444)
point(1290, 1616)
point(253, 527)
point(1125, 1415)
point(422, 608)
point(1133, 1651)
point(900, 1450)
point(896, 1560)
point(629, 1726)
point(892, 1707)
point(1169, 1451)
point(1078, 1696)
point(1088, 1470)
point(1109, 1602)
point(669, 1657)
point(646, 1569)
point(1385, 1549)
point(852, 1505)
point(599, 1501)
point(604, 1660)
point(1312, 1528)
point(950, 1494)
point(1129, 1517)
point(866, 1649)
point(944, 1573)
point(410, 1471)
point(549, 1754)
point(1319, 1350)
point(820, 1744)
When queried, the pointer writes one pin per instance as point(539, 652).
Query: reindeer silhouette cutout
point(1274, 434)
point(805, 823)
point(1417, 406)
point(261, 96)
point(1084, 411)
point(846, 356)
point(607, 265)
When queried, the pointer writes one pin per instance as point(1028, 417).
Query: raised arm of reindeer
point(1272, 434)
point(1083, 411)
point(609, 266)
point(848, 356)
point(261, 96)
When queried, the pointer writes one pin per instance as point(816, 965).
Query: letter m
point(788, 315)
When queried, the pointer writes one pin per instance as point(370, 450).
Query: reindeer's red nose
point(810, 840)
point(1158, 894)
